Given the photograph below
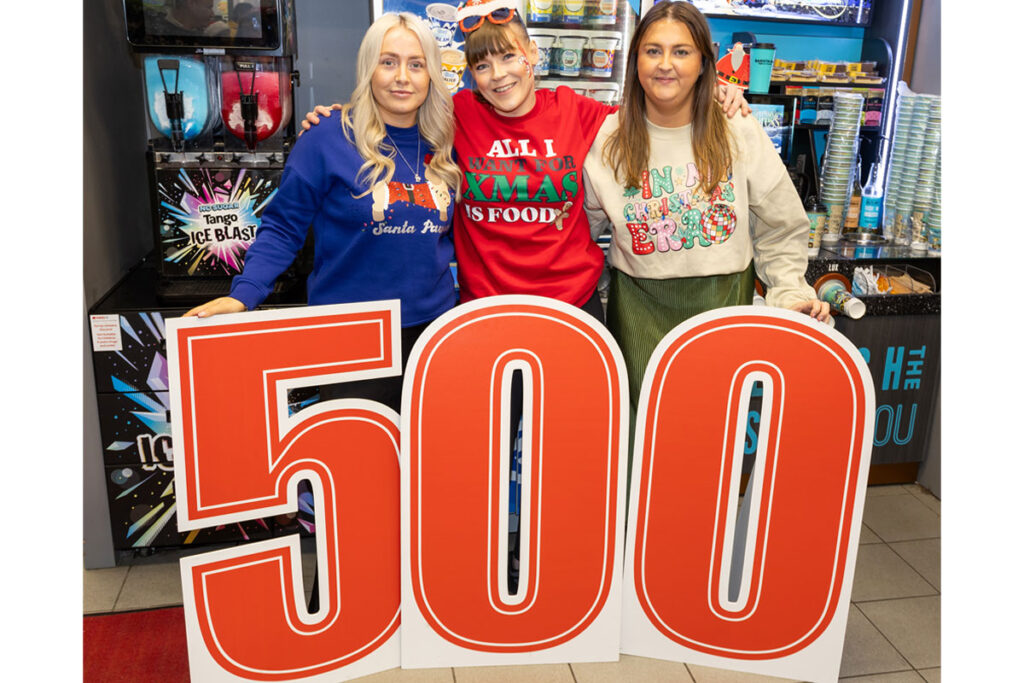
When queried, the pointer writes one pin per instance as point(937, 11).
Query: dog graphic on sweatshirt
point(432, 194)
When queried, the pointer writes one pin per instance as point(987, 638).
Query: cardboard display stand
point(765, 591)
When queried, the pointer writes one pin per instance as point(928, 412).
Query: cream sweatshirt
point(669, 228)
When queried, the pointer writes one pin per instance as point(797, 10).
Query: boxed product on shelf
point(873, 101)
point(824, 111)
point(808, 105)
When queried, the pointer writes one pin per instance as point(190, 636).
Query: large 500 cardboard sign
point(421, 530)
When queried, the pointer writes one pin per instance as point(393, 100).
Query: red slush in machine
point(255, 99)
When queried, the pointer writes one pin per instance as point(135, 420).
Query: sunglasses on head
point(502, 15)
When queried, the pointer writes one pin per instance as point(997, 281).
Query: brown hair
point(627, 150)
point(495, 39)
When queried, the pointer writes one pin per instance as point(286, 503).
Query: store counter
point(899, 337)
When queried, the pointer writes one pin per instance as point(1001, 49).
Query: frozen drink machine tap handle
point(249, 102)
point(174, 103)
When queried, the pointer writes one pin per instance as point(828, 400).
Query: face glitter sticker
point(208, 218)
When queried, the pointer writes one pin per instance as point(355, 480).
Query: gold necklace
point(418, 139)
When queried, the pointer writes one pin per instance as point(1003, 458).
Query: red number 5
point(238, 455)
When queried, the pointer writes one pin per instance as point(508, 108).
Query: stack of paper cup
point(924, 190)
point(914, 144)
point(934, 219)
point(840, 162)
point(897, 165)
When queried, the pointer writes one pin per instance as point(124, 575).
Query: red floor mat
point(144, 646)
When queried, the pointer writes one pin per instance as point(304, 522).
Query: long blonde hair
point(363, 124)
point(628, 149)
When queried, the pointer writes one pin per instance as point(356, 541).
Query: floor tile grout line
point(918, 499)
point(904, 540)
point(886, 638)
point(926, 498)
point(883, 673)
point(120, 590)
point(913, 496)
point(908, 597)
point(889, 546)
point(912, 568)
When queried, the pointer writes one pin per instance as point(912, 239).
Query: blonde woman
point(697, 203)
point(377, 188)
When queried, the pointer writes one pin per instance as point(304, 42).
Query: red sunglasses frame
point(489, 17)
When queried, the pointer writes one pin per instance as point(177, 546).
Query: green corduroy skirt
point(641, 312)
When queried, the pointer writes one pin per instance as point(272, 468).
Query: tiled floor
point(892, 635)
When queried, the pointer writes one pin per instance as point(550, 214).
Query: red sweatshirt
point(521, 227)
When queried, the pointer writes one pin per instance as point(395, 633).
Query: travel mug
point(762, 58)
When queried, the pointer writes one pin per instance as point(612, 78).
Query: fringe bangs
point(493, 39)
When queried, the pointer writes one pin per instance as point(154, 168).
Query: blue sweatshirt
point(394, 243)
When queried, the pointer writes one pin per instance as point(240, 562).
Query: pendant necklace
point(418, 139)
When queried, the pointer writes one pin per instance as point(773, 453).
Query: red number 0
point(457, 473)
point(814, 448)
point(238, 455)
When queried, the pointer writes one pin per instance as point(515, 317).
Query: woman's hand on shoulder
point(224, 304)
point(313, 117)
point(817, 309)
point(731, 99)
